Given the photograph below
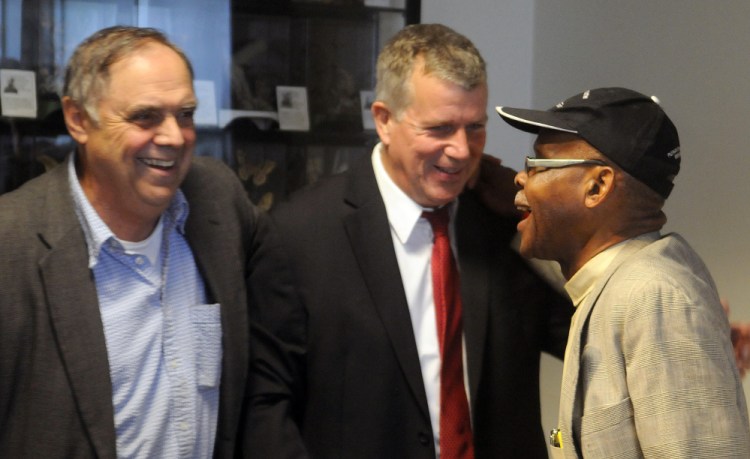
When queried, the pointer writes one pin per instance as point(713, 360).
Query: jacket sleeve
point(278, 339)
point(684, 389)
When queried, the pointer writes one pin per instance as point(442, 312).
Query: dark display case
point(284, 86)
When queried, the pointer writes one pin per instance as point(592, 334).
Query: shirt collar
point(403, 213)
point(582, 283)
point(97, 233)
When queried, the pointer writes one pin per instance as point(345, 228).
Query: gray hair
point(87, 73)
point(440, 50)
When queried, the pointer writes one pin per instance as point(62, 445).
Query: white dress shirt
point(412, 240)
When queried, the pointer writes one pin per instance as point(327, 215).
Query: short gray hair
point(443, 53)
point(87, 73)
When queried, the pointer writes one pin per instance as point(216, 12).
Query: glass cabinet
point(326, 50)
point(284, 86)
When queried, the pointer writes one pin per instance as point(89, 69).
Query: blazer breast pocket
point(206, 320)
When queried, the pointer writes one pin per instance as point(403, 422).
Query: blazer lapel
point(370, 238)
point(222, 273)
point(474, 275)
point(74, 313)
point(571, 393)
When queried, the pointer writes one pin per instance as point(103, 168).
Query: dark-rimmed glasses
point(533, 163)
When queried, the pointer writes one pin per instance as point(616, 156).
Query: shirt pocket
point(206, 320)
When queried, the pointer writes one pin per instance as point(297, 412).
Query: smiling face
point(434, 147)
point(553, 200)
point(134, 159)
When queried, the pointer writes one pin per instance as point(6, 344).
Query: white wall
point(693, 54)
point(502, 31)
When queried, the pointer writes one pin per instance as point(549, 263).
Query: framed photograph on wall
point(292, 107)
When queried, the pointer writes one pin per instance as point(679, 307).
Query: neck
point(126, 224)
point(602, 241)
point(130, 229)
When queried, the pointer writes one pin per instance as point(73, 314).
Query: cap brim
point(533, 120)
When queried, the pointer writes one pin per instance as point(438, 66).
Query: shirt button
point(184, 426)
point(139, 261)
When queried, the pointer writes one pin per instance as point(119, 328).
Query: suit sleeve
point(547, 310)
point(543, 300)
point(559, 311)
point(278, 338)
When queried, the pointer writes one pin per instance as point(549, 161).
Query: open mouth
point(525, 210)
point(448, 170)
point(158, 163)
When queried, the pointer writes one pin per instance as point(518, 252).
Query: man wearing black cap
point(649, 366)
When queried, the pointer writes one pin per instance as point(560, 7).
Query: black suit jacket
point(55, 389)
point(342, 379)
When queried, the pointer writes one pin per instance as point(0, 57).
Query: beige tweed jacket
point(649, 368)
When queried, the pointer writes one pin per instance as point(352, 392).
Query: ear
point(382, 116)
point(76, 120)
point(600, 186)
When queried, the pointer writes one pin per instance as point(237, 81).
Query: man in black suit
point(357, 372)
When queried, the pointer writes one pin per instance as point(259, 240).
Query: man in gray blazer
point(127, 272)
point(649, 368)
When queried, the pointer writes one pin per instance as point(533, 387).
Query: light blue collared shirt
point(163, 340)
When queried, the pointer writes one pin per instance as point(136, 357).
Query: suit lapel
point(370, 238)
point(474, 275)
point(74, 313)
point(571, 394)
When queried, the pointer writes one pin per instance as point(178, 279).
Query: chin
point(447, 195)
point(526, 248)
point(160, 197)
point(526, 253)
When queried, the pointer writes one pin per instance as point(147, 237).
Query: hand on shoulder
point(495, 186)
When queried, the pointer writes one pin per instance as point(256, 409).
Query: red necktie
point(455, 425)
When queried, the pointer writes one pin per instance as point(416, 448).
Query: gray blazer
point(55, 390)
point(649, 367)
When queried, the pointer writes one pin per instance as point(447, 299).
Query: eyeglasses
point(533, 163)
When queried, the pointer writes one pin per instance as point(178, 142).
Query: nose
point(520, 179)
point(169, 133)
point(458, 145)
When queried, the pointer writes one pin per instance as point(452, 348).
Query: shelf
point(312, 10)
point(245, 130)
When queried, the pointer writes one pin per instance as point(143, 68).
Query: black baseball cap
point(627, 127)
